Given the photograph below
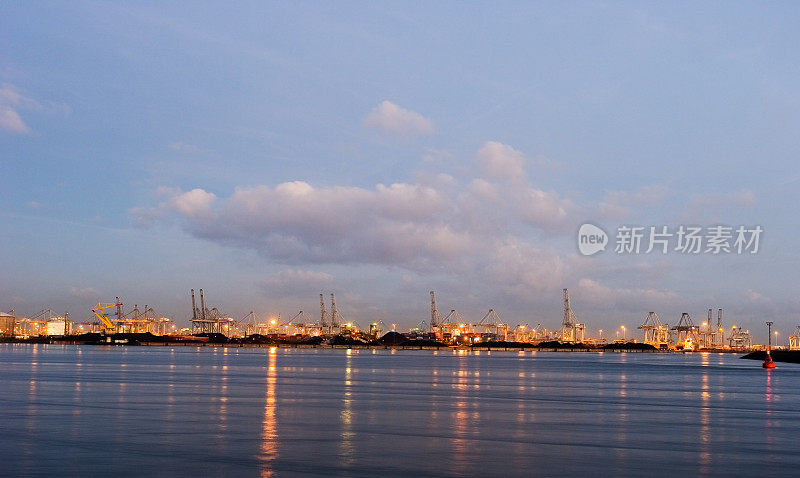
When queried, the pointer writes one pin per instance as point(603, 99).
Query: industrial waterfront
point(109, 323)
point(162, 411)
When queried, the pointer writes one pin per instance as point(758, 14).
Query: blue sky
point(273, 151)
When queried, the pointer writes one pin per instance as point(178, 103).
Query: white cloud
point(10, 121)
point(423, 225)
point(394, 119)
point(545, 209)
point(10, 101)
point(500, 161)
point(194, 204)
point(486, 227)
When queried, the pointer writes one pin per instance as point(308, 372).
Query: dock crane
point(105, 323)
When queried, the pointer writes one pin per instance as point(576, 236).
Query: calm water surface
point(90, 410)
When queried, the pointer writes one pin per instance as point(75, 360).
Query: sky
point(273, 151)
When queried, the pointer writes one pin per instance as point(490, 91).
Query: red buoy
point(768, 363)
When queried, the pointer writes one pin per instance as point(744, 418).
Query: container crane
point(106, 325)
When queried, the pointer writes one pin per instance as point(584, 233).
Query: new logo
point(591, 239)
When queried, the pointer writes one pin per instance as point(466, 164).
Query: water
point(72, 410)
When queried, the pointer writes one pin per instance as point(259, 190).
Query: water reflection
point(520, 444)
point(705, 420)
point(77, 409)
point(346, 447)
point(460, 417)
point(770, 423)
point(28, 446)
point(622, 435)
point(269, 427)
point(222, 413)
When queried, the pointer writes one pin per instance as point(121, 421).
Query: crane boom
point(105, 323)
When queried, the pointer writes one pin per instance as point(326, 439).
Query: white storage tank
point(57, 326)
point(7, 322)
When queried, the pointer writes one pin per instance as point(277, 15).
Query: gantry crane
point(106, 325)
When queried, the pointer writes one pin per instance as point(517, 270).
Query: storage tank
point(7, 322)
point(57, 326)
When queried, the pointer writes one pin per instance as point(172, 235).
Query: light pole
point(769, 335)
point(705, 335)
point(623, 332)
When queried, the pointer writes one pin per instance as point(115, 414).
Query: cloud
point(545, 209)
point(743, 198)
point(494, 227)
point(391, 118)
point(620, 204)
point(714, 207)
point(500, 161)
point(435, 222)
point(297, 222)
point(194, 204)
point(635, 299)
point(10, 121)
point(524, 268)
point(10, 101)
point(294, 282)
point(402, 223)
point(754, 296)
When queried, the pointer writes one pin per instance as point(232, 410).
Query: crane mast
point(323, 314)
point(106, 325)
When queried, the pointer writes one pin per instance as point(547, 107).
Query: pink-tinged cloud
point(195, 204)
point(500, 161)
point(11, 100)
point(11, 121)
point(391, 118)
point(484, 227)
point(401, 223)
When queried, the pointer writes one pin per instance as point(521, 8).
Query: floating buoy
point(768, 363)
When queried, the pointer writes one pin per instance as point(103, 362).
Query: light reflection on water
point(269, 433)
point(346, 448)
point(277, 412)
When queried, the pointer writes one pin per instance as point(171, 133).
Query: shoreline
point(481, 348)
